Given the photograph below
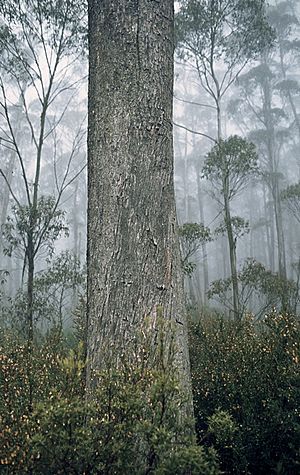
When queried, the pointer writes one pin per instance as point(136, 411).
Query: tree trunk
point(232, 255)
point(186, 180)
point(202, 220)
point(134, 264)
point(5, 195)
point(30, 328)
point(270, 262)
point(274, 182)
point(76, 247)
point(30, 279)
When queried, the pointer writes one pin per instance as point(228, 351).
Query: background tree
point(40, 42)
point(216, 41)
point(291, 198)
point(220, 38)
point(269, 135)
point(229, 166)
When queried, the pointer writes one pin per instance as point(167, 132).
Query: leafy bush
point(189, 460)
point(132, 423)
point(192, 237)
point(56, 291)
point(223, 427)
point(246, 386)
point(259, 290)
point(28, 377)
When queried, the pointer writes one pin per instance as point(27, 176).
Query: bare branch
point(4, 105)
point(10, 188)
point(194, 103)
point(195, 132)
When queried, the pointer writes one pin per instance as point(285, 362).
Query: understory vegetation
point(246, 387)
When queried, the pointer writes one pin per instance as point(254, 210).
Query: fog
point(43, 154)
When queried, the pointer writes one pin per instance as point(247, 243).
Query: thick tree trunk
point(134, 264)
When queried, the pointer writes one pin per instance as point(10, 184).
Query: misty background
point(43, 128)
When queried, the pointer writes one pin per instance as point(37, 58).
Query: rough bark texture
point(133, 255)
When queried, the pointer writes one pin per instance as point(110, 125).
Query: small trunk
point(219, 119)
point(203, 247)
point(5, 195)
point(75, 223)
point(29, 322)
point(273, 168)
point(280, 233)
point(232, 253)
point(30, 276)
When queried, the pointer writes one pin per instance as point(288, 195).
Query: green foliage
point(45, 224)
point(21, 372)
point(223, 427)
point(57, 288)
point(131, 423)
point(282, 17)
point(291, 198)
point(44, 22)
point(240, 227)
point(190, 460)
point(288, 86)
point(267, 288)
point(192, 237)
point(231, 31)
point(230, 165)
point(194, 233)
point(247, 392)
point(55, 294)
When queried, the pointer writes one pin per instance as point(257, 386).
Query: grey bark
point(134, 262)
point(232, 251)
point(202, 220)
point(5, 195)
point(75, 222)
point(274, 184)
point(269, 227)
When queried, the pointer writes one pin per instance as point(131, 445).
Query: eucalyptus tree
point(285, 20)
point(291, 198)
point(39, 41)
point(192, 238)
point(219, 38)
point(268, 100)
point(229, 166)
point(270, 130)
point(134, 265)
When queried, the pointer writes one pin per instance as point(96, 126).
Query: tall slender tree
point(220, 38)
point(229, 166)
point(217, 39)
point(32, 34)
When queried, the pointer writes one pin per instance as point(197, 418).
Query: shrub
point(189, 460)
point(133, 423)
point(246, 386)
